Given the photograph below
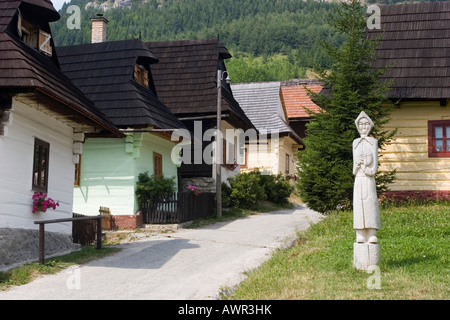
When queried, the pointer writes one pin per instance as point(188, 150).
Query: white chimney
point(98, 29)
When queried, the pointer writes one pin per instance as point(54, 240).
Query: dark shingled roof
point(262, 104)
point(24, 69)
point(43, 8)
point(416, 38)
point(189, 69)
point(104, 72)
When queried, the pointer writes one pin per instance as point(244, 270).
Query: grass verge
point(27, 273)
point(414, 263)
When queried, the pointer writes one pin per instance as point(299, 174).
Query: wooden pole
point(99, 234)
point(42, 243)
point(219, 145)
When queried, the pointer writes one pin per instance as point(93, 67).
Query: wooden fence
point(84, 232)
point(178, 208)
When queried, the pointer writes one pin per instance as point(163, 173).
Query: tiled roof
point(296, 98)
point(185, 78)
point(104, 72)
point(415, 38)
point(261, 103)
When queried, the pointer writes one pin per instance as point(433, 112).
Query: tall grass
point(415, 249)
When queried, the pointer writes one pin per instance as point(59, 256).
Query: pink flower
point(42, 203)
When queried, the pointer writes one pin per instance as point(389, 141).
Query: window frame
point(38, 169)
point(287, 164)
point(77, 181)
point(432, 124)
point(157, 170)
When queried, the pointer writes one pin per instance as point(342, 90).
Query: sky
point(58, 3)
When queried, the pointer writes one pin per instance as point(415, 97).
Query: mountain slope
point(269, 39)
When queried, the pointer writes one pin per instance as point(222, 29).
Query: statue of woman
point(366, 212)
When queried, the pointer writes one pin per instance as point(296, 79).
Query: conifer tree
point(351, 86)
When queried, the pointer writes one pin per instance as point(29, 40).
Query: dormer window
point(34, 37)
point(141, 75)
point(28, 33)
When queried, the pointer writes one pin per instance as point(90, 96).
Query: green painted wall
point(109, 171)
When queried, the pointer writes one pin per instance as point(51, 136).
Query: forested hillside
point(269, 39)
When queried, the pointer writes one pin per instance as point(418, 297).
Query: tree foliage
point(270, 40)
point(352, 85)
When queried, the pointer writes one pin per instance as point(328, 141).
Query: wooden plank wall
point(409, 151)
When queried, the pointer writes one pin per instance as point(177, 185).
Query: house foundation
point(21, 246)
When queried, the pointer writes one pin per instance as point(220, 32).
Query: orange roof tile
point(296, 98)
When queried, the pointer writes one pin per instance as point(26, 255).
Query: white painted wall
point(16, 165)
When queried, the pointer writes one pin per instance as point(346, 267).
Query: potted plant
point(41, 202)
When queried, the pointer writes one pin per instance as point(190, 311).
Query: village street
point(189, 264)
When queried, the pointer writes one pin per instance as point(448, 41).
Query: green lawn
point(415, 249)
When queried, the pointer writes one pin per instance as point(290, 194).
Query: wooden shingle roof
point(25, 70)
point(416, 38)
point(104, 72)
point(296, 98)
point(44, 8)
point(261, 103)
point(185, 78)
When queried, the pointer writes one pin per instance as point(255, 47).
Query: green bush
point(148, 188)
point(226, 192)
point(246, 189)
point(277, 188)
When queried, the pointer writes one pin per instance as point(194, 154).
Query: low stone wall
point(21, 246)
point(203, 184)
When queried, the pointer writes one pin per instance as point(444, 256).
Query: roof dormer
point(33, 36)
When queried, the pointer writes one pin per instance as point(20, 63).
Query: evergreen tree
point(351, 86)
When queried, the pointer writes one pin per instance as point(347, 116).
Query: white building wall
point(16, 165)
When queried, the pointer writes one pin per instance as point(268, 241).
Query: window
point(40, 165)
point(77, 172)
point(439, 138)
point(244, 161)
point(34, 37)
point(141, 75)
point(287, 163)
point(28, 33)
point(157, 164)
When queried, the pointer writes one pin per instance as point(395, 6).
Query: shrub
point(149, 188)
point(246, 190)
point(277, 188)
point(226, 192)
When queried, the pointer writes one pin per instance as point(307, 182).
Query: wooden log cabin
point(415, 40)
point(189, 68)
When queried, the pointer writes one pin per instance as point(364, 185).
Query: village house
point(190, 69)
point(275, 149)
point(415, 43)
point(296, 100)
point(44, 119)
point(117, 77)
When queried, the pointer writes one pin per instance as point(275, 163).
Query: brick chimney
point(98, 29)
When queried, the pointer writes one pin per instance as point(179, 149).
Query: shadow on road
point(146, 254)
